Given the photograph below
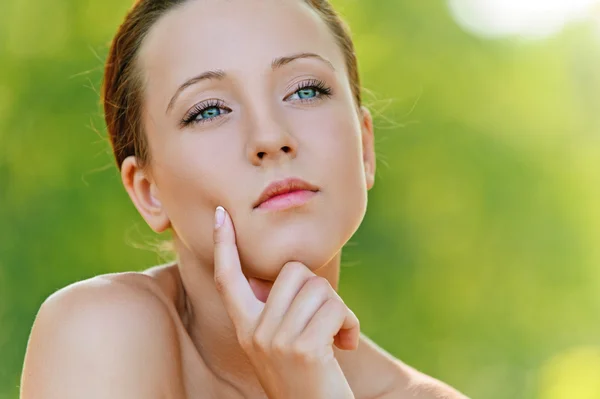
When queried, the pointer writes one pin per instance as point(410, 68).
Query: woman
point(237, 125)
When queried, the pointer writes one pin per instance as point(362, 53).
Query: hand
point(289, 339)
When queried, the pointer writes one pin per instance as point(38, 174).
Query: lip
point(286, 193)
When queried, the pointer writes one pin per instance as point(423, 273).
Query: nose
point(270, 141)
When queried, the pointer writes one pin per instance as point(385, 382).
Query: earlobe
point(368, 145)
point(144, 194)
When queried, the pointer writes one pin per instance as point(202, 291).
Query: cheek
point(336, 141)
point(199, 163)
point(345, 176)
point(192, 174)
point(183, 166)
point(340, 152)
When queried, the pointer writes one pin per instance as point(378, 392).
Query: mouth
point(285, 194)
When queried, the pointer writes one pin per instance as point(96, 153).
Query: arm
point(102, 339)
point(433, 390)
point(389, 378)
point(421, 386)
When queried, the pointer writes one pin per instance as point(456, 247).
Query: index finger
point(240, 302)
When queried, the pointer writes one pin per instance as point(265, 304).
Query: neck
point(210, 327)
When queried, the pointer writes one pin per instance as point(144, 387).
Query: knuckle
point(217, 238)
point(336, 305)
point(221, 281)
point(292, 268)
point(332, 307)
point(260, 342)
point(245, 342)
point(279, 346)
point(303, 351)
point(318, 283)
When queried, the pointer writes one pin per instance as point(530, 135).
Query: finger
point(288, 283)
point(241, 304)
point(314, 293)
point(333, 319)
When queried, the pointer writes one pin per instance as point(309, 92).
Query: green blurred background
point(478, 261)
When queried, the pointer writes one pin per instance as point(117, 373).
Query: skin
point(171, 331)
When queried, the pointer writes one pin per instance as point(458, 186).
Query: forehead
point(232, 35)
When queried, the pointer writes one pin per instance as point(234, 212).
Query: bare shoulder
point(109, 336)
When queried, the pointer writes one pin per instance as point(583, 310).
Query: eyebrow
point(220, 74)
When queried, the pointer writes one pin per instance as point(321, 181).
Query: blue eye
point(311, 90)
point(307, 93)
point(205, 112)
point(210, 112)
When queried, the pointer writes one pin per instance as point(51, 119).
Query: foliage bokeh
point(478, 260)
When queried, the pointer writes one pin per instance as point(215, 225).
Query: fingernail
point(219, 217)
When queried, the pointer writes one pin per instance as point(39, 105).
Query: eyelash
point(190, 118)
point(314, 84)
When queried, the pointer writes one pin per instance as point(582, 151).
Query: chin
point(265, 259)
point(266, 249)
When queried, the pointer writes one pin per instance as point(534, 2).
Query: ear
point(144, 194)
point(368, 145)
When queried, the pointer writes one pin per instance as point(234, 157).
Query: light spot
point(571, 374)
point(525, 18)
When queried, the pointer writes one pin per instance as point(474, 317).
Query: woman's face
point(239, 94)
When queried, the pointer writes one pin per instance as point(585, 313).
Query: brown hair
point(122, 86)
